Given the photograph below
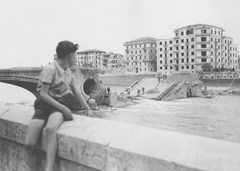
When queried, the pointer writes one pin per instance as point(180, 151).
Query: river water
point(217, 117)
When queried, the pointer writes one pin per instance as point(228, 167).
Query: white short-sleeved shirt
point(58, 78)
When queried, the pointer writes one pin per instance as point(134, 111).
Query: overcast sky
point(30, 30)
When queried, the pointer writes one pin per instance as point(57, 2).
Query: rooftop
point(91, 50)
point(198, 25)
point(142, 39)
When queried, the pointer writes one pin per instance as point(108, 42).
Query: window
point(182, 33)
point(187, 67)
point(182, 67)
point(160, 49)
point(160, 55)
point(176, 41)
point(203, 39)
point(203, 45)
point(192, 60)
point(170, 42)
point(170, 48)
point(203, 53)
point(170, 61)
point(182, 60)
point(204, 31)
point(192, 46)
point(182, 40)
point(204, 60)
point(192, 53)
point(160, 62)
point(182, 54)
point(170, 54)
point(165, 67)
point(192, 39)
point(182, 47)
point(192, 66)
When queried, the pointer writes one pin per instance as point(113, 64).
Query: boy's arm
point(80, 98)
point(45, 96)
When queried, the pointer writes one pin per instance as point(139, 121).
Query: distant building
point(140, 55)
point(196, 48)
point(90, 58)
point(112, 60)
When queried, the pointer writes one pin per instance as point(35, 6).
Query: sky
point(30, 30)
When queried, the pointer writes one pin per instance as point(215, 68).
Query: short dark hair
point(64, 48)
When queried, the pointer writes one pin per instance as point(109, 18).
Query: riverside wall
point(208, 80)
point(92, 144)
point(123, 80)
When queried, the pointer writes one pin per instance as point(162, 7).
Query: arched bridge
point(87, 79)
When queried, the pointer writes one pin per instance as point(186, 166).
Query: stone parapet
point(90, 144)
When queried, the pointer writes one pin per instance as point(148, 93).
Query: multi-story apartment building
point(140, 55)
point(90, 58)
point(196, 48)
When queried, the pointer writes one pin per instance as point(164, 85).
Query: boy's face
point(72, 59)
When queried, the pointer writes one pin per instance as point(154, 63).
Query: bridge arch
point(88, 87)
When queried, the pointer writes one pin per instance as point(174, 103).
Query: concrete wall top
point(114, 146)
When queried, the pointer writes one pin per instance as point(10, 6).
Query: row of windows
point(170, 67)
point(140, 63)
point(139, 46)
point(132, 58)
point(203, 39)
point(177, 54)
point(202, 46)
point(182, 60)
point(170, 42)
point(139, 51)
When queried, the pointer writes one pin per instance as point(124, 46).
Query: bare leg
point(54, 121)
point(34, 129)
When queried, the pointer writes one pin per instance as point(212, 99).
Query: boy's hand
point(90, 113)
point(67, 114)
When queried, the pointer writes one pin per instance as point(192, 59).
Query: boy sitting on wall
point(52, 106)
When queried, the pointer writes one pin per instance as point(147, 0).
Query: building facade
point(90, 58)
point(196, 48)
point(140, 55)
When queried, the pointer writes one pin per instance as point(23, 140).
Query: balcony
point(200, 42)
point(203, 63)
point(202, 34)
point(203, 56)
point(203, 49)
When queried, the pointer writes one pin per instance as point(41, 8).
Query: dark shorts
point(43, 110)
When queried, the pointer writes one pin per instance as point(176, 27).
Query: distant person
point(108, 90)
point(51, 108)
point(143, 89)
point(138, 92)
